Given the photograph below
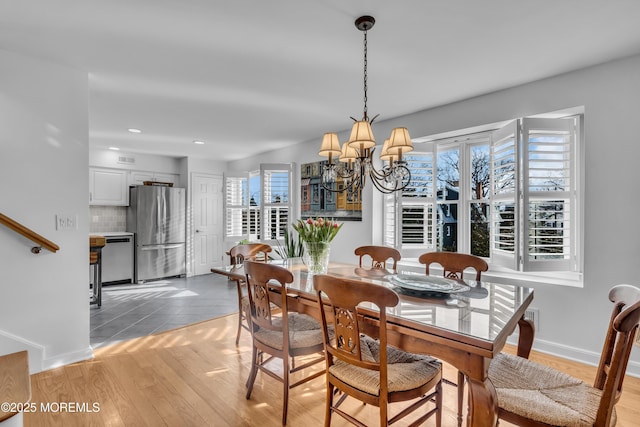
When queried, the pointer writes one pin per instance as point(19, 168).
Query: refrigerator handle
point(156, 247)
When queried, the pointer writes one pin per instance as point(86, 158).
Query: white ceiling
point(247, 76)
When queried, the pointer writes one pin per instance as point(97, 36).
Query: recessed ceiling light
point(198, 142)
point(114, 148)
point(134, 130)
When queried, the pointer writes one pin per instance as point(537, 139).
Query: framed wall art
point(316, 201)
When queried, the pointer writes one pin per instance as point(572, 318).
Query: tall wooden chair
point(359, 362)
point(280, 334)
point(238, 254)
point(454, 264)
point(531, 394)
point(379, 256)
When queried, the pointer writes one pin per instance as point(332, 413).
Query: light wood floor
point(194, 376)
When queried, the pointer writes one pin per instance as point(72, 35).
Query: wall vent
point(126, 160)
point(533, 314)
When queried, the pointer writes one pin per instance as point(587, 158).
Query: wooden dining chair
point(237, 255)
point(531, 394)
point(379, 256)
point(453, 265)
point(279, 333)
point(359, 361)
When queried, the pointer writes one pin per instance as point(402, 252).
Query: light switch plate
point(66, 222)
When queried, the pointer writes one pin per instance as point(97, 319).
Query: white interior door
point(207, 205)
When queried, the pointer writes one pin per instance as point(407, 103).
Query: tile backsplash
point(107, 218)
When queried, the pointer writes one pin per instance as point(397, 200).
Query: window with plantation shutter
point(258, 205)
point(509, 195)
point(409, 216)
point(504, 195)
point(390, 226)
point(236, 206)
point(548, 149)
point(534, 198)
point(276, 200)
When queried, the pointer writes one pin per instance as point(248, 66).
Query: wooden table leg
point(525, 337)
point(483, 407)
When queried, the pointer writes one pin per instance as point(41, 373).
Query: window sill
point(506, 276)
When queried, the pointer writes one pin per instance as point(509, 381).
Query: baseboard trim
point(10, 343)
point(67, 358)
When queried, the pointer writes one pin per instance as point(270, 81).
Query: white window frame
point(395, 204)
point(519, 196)
point(569, 129)
point(238, 189)
point(269, 205)
point(237, 206)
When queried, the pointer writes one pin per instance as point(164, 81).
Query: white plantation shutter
point(390, 220)
point(504, 196)
point(534, 197)
point(549, 147)
point(236, 202)
point(258, 206)
point(409, 221)
point(417, 202)
point(530, 209)
point(276, 200)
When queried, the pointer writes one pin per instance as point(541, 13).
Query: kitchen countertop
point(96, 241)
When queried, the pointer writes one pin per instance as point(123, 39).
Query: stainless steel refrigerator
point(157, 217)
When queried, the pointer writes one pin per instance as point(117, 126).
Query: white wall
point(572, 320)
point(44, 299)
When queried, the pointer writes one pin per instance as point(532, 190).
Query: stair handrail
point(29, 234)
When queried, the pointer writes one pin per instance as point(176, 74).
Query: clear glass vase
point(316, 256)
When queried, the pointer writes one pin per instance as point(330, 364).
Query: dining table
point(464, 323)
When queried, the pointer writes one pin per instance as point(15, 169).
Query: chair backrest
point(249, 251)
point(343, 296)
point(618, 343)
point(260, 279)
point(379, 256)
point(454, 263)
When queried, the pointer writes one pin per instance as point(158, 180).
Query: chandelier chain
point(365, 76)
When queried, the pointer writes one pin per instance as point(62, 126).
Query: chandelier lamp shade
point(352, 163)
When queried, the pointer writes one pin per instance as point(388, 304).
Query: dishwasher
point(117, 259)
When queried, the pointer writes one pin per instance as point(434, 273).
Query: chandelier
point(352, 163)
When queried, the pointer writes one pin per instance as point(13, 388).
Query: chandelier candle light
point(355, 156)
point(316, 236)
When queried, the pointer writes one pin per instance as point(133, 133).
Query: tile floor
point(135, 310)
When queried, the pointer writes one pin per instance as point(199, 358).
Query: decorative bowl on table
point(427, 284)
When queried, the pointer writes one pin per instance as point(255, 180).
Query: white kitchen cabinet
point(139, 177)
point(108, 187)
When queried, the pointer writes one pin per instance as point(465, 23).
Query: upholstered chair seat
point(304, 331)
point(539, 393)
point(406, 371)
